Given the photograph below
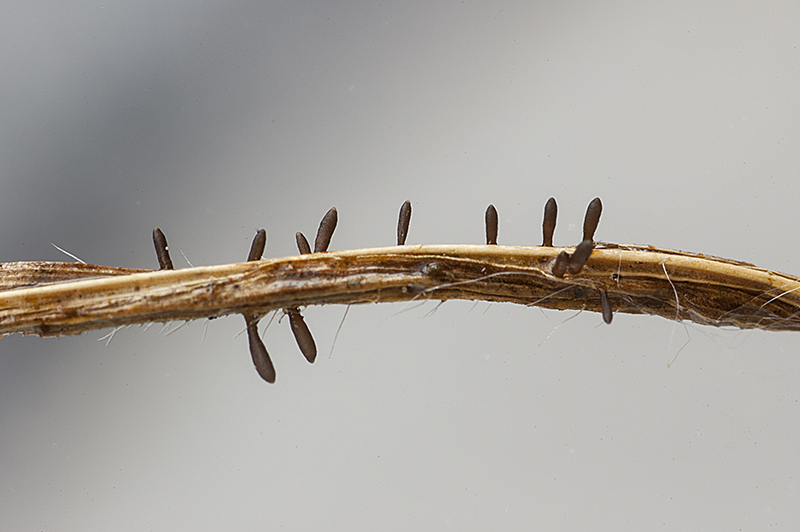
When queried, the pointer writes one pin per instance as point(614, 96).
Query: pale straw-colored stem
point(53, 298)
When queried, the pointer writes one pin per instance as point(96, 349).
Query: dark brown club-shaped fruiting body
point(258, 351)
point(580, 256)
point(162, 250)
point(592, 218)
point(302, 335)
point(299, 328)
point(302, 243)
point(325, 231)
point(605, 306)
point(402, 223)
point(491, 225)
point(258, 246)
point(549, 223)
point(560, 264)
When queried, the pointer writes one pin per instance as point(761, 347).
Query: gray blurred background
point(214, 119)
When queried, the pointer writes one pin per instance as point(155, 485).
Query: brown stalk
point(54, 298)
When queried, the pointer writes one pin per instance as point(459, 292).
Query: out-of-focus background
point(214, 119)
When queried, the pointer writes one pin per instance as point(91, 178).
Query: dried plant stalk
point(53, 298)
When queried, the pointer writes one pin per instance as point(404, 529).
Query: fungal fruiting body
point(491, 226)
point(55, 298)
point(402, 223)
